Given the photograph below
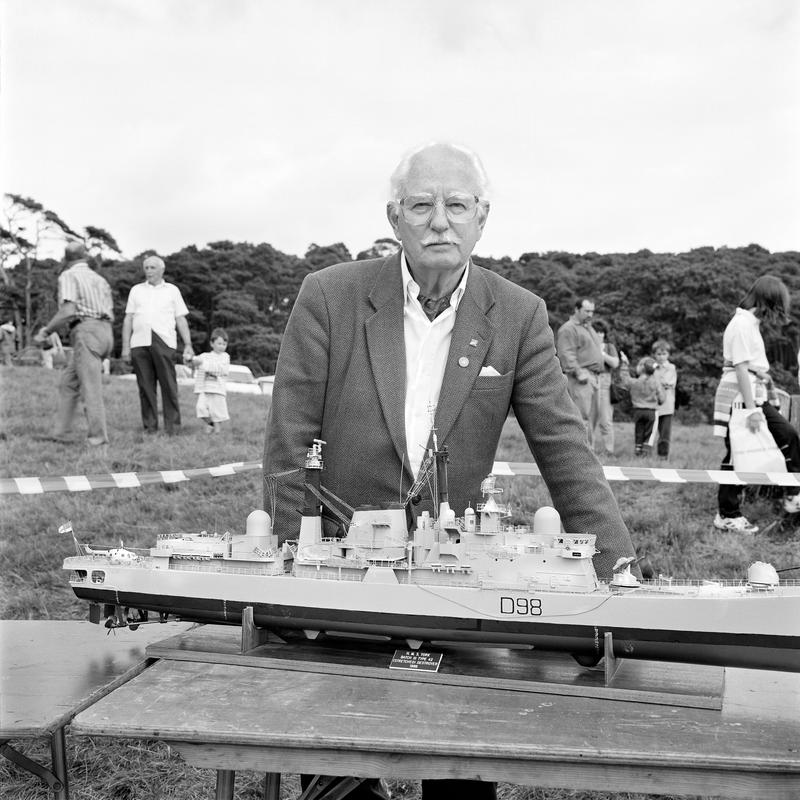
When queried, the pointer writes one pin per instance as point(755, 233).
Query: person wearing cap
point(154, 312)
point(85, 305)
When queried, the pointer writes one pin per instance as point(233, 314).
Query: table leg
point(272, 786)
point(35, 769)
point(225, 780)
point(328, 787)
point(58, 755)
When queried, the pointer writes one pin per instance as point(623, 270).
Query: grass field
point(671, 523)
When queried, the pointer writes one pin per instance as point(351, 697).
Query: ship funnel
point(547, 521)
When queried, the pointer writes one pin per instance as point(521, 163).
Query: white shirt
point(427, 345)
point(155, 309)
point(742, 342)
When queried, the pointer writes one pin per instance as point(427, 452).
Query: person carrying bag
point(742, 413)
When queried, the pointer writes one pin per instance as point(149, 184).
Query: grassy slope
point(670, 522)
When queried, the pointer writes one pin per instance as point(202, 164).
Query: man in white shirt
point(154, 311)
point(375, 350)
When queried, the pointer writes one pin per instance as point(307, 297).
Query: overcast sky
point(604, 125)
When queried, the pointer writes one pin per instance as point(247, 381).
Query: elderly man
point(581, 352)
point(372, 346)
point(155, 309)
point(86, 305)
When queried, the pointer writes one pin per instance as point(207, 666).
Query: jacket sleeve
point(298, 400)
point(557, 438)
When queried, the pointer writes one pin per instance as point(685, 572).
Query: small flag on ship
point(65, 528)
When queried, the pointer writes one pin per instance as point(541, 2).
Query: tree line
point(249, 289)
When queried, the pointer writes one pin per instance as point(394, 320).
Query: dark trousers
point(643, 419)
point(787, 439)
point(156, 365)
point(664, 434)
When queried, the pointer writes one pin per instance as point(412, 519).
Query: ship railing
point(327, 574)
point(664, 581)
point(142, 552)
point(227, 568)
point(437, 578)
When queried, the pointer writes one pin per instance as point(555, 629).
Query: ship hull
point(746, 629)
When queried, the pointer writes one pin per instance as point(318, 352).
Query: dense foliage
point(249, 289)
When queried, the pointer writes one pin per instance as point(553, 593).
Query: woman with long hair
point(744, 384)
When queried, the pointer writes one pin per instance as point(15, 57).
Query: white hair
point(400, 174)
point(155, 261)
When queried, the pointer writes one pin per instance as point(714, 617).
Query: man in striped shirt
point(85, 305)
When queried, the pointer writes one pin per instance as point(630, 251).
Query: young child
point(667, 375)
point(209, 381)
point(646, 395)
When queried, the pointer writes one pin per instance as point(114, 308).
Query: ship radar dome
point(547, 521)
point(258, 523)
point(762, 574)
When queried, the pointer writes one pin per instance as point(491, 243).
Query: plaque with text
point(419, 660)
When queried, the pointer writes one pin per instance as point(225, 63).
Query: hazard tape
point(119, 480)
point(130, 480)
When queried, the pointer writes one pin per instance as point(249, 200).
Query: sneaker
point(791, 505)
point(735, 524)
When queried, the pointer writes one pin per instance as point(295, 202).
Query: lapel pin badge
point(473, 343)
point(463, 361)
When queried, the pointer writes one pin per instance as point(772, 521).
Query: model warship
point(473, 579)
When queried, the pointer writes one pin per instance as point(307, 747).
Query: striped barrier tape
point(130, 480)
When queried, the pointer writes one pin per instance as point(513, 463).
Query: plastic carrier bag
point(753, 452)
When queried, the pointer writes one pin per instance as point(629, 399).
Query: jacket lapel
point(465, 359)
point(387, 351)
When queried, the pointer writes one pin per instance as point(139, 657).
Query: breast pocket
point(488, 383)
point(488, 403)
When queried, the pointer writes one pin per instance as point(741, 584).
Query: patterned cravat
point(433, 308)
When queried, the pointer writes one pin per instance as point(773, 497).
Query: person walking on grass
point(85, 305)
point(209, 382)
point(744, 383)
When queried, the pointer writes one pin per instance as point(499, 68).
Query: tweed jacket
point(340, 377)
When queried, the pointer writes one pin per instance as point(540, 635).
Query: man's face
point(661, 356)
point(438, 245)
point(153, 272)
point(586, 311)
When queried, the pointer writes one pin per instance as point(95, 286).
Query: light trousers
point(603, 414)
point(82, 379)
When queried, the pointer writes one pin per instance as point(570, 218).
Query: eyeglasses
point(418, 209)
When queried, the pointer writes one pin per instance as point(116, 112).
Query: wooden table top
point(240, 717)
point(51, 669)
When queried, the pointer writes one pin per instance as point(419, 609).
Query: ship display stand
point(511, 668)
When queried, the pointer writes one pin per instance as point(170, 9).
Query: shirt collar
point(747, 313)
point(155, 285)
point(411, 287)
